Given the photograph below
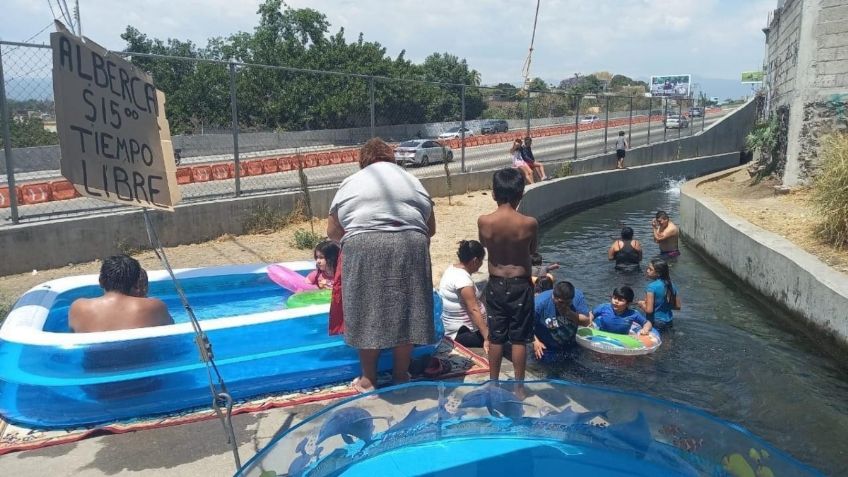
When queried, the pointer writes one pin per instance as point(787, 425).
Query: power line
point(30, 38)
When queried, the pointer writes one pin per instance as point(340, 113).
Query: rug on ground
point(454, 360)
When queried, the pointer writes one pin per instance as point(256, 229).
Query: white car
point(591, 119)
point(455, 133)
point(422, 152)
point(676, 121)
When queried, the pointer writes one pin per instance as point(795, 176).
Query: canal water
point(729, 352)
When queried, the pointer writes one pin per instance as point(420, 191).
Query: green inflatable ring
point(309, 298)
point(626, 340)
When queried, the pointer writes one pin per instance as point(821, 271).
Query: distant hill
point(20, 89)
point(723, 88)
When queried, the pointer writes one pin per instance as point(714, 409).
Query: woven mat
point(13, 438)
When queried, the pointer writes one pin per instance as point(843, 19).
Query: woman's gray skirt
point(387, 290)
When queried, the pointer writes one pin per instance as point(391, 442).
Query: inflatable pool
point(632, 344)
point(52, 378)
point(562, 428)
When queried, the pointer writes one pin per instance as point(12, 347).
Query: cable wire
point(220, 398)
point(526, 70)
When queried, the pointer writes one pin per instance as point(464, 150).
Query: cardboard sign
point(114, 137)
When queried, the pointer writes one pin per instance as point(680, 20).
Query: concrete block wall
point(783, 43)
point(767, 262)
point(807, 71)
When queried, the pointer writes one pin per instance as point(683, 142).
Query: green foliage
point(198, 93)
point(565, 170)
point(29, 132)
point(830, 191)
point(765, 138)
point(505, 92)
point(306, 239)
point(538, 84)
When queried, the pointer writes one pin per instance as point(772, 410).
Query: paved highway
point(487, 157)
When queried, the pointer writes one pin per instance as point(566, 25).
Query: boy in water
point(617, 316)
point(510, 238)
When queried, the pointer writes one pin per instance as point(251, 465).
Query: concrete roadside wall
point(56, 243)
point(549, 200)
point(767, 262)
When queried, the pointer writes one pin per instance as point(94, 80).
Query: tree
point(275, 97)
point(505, 92)
point(538, 84)
point(29, 132)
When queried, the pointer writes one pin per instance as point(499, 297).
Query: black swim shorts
point(510, 307)
point(619, 153)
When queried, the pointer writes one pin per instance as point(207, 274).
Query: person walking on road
point(621, 147)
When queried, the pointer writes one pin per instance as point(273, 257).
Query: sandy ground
point(453, 223)
point(791, 215)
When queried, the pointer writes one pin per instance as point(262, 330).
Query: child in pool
point(617, 316)
point(326, 256)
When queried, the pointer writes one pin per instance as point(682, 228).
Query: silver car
point(422, 152)
point(676, 121)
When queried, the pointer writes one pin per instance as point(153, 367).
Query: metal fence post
point(462, 131)
point(576, 124)
point(665, 118)
point(606, 126)
point(527, 107)
point(650, 114)
point(630, 123)
point(703, 112)
point(7, 145)
point(371, 106)
point(679, 117)
point(235, 126)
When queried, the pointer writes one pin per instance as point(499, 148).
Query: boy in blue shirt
point(558, 313)
point(616, 316)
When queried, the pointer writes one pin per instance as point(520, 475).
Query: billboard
point(671, 85)
point(113, 134)
point(752, 77)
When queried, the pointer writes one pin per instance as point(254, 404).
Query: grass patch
point(306, 239)
point(565, 170)
point(124, 246)
point(5, 307)
point(830, 190)
point(264, 219)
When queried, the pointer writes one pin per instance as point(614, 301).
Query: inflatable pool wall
point(561, 428)
point(51, 378)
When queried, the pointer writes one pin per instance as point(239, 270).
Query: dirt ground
point(453, 223)
point(791, 215)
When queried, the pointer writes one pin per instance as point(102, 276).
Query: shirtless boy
point(123, 305)
point(665, 235)
point(510, 239)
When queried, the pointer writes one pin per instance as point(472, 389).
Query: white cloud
point(711, 38)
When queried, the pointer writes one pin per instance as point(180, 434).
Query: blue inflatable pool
point(558, 429)
point(51, 378)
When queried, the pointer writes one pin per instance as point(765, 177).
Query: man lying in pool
point(124, 304)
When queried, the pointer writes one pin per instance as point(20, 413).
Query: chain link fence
point(242, 129)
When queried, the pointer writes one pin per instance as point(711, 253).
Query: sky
point(709, 39)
